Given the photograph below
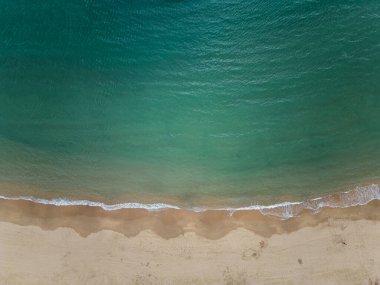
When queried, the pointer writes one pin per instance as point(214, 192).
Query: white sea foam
point(107, 207)
point(361, 195)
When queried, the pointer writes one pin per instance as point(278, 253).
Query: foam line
point(361, 195)
point(107, 207)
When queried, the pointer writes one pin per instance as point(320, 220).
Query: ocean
point(192, 103)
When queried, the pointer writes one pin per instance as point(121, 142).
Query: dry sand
point(86, 245)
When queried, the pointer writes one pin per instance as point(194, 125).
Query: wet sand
point(46, 244)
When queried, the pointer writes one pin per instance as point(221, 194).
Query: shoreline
point(48, 244)
point(359, 196)
point(170, 223)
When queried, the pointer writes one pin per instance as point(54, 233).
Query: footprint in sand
point(263, 244)
point(254, 253)
point(250, 253)
point(338, 239)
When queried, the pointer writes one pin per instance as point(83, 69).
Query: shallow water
point(241, 100)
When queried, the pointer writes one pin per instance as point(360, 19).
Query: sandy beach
point(45, 244)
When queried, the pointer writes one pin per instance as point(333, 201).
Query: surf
point(359, 196)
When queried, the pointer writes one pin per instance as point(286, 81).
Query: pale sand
point(333, 247)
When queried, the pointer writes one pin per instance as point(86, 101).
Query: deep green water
point(238, 100)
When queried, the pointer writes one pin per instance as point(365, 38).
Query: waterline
point(360, 195)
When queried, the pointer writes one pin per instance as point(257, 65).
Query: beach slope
point(332, 247)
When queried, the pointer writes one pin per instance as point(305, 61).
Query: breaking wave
point(360, 195)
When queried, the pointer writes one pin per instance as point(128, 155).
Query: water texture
point(237, 101)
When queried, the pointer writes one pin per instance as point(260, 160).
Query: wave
point(107, 207)
point(361, 195)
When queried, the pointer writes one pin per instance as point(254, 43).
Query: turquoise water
point(236, 101)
